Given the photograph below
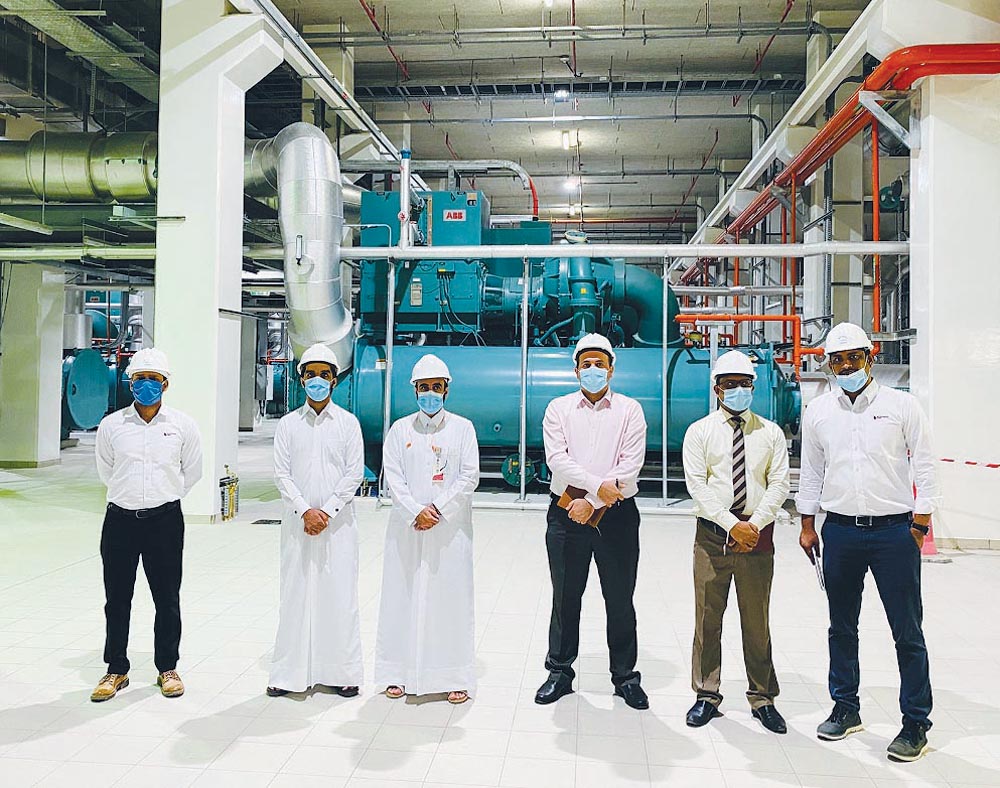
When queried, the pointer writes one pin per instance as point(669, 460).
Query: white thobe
point(318, 464)
point(426, 627)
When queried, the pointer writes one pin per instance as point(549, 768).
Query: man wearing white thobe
point(426, 628)
point(318, 467)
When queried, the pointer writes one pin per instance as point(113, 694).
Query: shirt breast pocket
point(169, 446)
point(885, 437)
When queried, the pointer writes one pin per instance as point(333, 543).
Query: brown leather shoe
point(170, 684)
point(108, 687)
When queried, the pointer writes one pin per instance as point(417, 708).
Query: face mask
point(737, 399)
point(593, 379)
point(854, 381)
point(430, 402)
point(147, 391)
point(317, 389)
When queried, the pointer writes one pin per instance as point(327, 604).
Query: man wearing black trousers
point(595, 445)
point(149, 456)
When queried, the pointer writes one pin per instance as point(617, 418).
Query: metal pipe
point(707, 310)
point(743, 290)
point(444, 166)
point(548, 34)
point(404, 199)
point(876, 235)
point(522, 447)
point(390, 328)
point(576, 119)
point(628, 251)
point(664, 379)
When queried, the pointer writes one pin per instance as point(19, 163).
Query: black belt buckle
point(145, 514)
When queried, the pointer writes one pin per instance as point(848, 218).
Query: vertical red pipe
point(876, 235)
point(792, 237)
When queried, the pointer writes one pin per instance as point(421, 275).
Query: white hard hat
point(318, 352)
point(430, 366)
point(594, 342)
point(846, 336)
point(149, 359)
point(733, 363)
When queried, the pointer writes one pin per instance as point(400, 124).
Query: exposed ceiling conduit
point(80, 39)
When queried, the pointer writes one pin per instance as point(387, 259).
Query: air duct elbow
point(643, 292)
point(311, 216)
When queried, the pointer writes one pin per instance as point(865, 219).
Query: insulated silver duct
point(302, 166)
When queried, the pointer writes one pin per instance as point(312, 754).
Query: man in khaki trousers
point(736, 469)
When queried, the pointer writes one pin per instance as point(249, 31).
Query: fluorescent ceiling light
point(565, 140)
point(547, 3)
point(562, 93)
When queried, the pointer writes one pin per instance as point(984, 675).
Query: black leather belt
point(867, 520)
point(145, 514)
point(715, 528)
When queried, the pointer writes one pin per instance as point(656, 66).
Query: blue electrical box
point(455, 218)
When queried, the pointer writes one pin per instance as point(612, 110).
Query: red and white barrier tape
point(971, 462)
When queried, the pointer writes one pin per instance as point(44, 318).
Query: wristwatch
point(924, 529)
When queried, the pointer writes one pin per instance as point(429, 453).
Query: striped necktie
point(739, 465)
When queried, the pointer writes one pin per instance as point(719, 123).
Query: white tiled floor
point(225, 732)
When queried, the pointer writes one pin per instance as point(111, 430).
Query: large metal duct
point(301, 164)
point(82, 167)
point(75, 167)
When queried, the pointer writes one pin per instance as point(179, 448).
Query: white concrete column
point(954, 301)
point(31, 340)
point(207, 62)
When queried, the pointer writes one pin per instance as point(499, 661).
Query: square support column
point(31, 345)
point(954, 302)
point(208, 62)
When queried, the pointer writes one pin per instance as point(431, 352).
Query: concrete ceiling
point(605, 145)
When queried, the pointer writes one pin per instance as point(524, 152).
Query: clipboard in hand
point(575, 494)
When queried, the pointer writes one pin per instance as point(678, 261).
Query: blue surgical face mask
point(317, 389)
point(593, 379)
point(853, 382)
point(430, 402)
point(737, 399)
point(147, 391)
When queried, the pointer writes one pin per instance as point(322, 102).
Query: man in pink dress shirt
point(595, 441)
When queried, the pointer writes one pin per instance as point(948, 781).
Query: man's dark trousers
point(891, 553)
point(159, 541)
point(570, 547)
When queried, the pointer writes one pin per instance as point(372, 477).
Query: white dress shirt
point(147, 465)
point(588, 443)
point(708, 468)
point(864, 458)
point(319, 460)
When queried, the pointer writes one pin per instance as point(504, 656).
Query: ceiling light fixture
point(547, 3)
point(562, 94)
point(565, 140)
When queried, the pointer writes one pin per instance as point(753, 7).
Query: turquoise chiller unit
point(468, 312)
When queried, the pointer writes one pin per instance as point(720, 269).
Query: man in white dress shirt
point(426, 624)
point(864, 449)
point(318, 466)
point(595, 441)
point(736, 469)
point(149, 457)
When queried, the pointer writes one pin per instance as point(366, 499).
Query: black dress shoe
point(347, 692)
point(276, 692)
point(553, 689)
point(770, 719)
point(702, 713)
point(633, 694)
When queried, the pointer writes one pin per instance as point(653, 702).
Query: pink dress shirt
point(587, 444)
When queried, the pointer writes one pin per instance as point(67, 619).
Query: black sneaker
point(842, 722)
point(910, 744)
